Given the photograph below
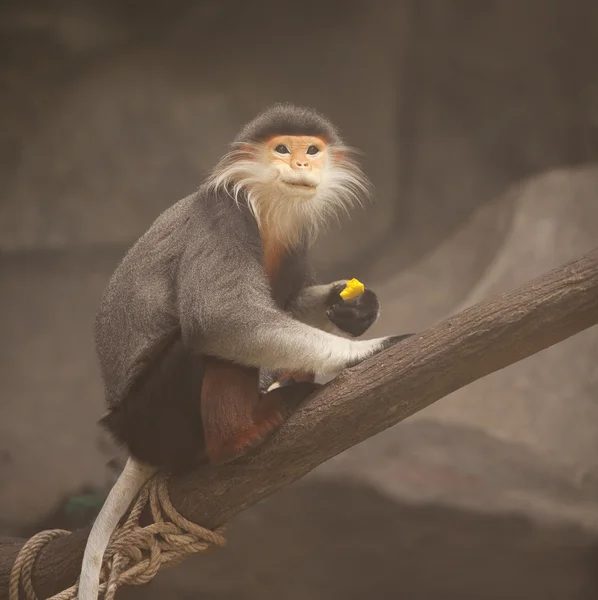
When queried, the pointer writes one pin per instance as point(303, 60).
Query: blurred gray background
point(478, 120)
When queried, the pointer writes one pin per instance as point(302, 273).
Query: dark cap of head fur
point(286, 119)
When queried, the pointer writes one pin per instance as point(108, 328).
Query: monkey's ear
point(245, 150)
point(337, 153)
point(342, 154)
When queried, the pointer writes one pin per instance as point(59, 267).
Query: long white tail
point(127, 486)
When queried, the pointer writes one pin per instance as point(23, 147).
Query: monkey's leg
point(235, 416)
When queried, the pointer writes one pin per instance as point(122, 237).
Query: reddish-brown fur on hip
point(229, 403)
point(236, 417)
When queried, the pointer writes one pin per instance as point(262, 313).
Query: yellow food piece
point(353, 289)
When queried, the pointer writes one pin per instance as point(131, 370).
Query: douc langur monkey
point(216, 301)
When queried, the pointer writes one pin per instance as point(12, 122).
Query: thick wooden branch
point(365, 400)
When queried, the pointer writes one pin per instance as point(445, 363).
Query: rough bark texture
point(365, 400)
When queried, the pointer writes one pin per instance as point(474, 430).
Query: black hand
point(353, 316)
point(395, 339)
point(387, 343)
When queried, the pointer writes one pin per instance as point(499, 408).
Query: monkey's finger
point(334, 296)
point(395, 339)
point(367, 301)
point(353, 327)
point(356, 314)
point(361, 308)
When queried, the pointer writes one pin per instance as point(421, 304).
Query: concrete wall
point(112, 113)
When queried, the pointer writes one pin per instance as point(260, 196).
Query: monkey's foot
point(281, 383)
point(272, 410)
point(288, 378)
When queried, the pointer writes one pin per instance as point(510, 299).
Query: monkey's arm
point(322, 306)
point(263, 336)
point(231, 315)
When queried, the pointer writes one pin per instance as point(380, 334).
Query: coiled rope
point(135, 553)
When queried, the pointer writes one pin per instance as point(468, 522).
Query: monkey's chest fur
point(159, 419)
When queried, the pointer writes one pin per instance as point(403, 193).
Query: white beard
point(291, 215)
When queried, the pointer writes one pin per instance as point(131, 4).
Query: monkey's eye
point(281, 149)
point(313, 150)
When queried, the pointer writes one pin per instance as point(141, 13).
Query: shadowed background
point(478, 121)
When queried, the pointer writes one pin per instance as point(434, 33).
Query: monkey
point(212, 327)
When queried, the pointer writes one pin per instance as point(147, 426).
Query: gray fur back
point(137, 314)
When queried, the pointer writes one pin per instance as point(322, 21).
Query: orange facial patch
point(301, 153)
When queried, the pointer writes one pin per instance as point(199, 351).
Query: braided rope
point(135, 553)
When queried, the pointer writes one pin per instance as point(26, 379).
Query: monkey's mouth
point(304, 185)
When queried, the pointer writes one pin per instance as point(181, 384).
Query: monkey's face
point(299, 160)
point(296, 184)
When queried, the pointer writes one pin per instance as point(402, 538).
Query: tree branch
point(365, 400)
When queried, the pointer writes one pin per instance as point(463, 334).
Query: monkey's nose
point(301, 164)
